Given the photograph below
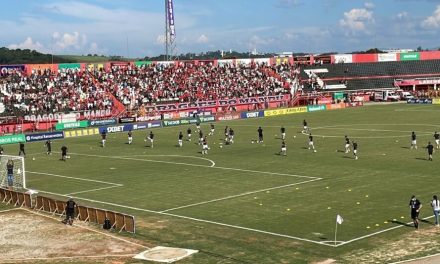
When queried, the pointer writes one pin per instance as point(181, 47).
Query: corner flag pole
point(339, 221)
point(336, 229)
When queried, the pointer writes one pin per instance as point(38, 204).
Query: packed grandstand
point(153, 90)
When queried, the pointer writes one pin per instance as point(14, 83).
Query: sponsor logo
point(127, 120)
point(11, 139)
point(228, 117)
point(420, 101)
point(44, 136)
point(104, 122)
point(115, 129)
point(204, 119)
point(171, 122)
point(313, 108)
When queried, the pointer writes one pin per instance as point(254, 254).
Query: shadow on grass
point(401, 223)
point(422, 159)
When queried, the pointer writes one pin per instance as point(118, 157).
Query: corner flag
point(339, 219)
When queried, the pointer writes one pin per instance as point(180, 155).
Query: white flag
point(339, 219)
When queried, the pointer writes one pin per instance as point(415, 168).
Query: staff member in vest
point(10, 171)
point(70, 211)
point(415, 205)
point(435, 204)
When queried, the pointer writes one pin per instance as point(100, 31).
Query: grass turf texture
point(371, 193)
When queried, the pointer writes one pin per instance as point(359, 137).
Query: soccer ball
point(314, 150)
point(221, 146)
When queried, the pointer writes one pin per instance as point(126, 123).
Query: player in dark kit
point(283, 133)
point(211, 133)
point(130, 137)
point(103, 138)
point(305, 127)
point(231, 136)
point(70, 211)
point(226, 134)
point(180, 141)
point(283, 149)
point(347, 144)
point(205, 146)
point(63, 153)
point(188, 132)
point(355, 150)
point(10, 171)
point(151, 138)
point(311, 144)
point(198, 125)
point(260, 135)
point(21, 151)
point(200, 137)
point(430, 149)
point(415, 205)
point(48, 145)
point(437, 139)
point(413, 140)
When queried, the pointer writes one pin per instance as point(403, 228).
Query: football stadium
point(312, 158)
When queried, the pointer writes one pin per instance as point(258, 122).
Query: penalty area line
point(238, 195)
point(92, 190)
point(75, 178)
point(198, 220)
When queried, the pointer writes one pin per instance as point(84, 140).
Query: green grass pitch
point(244, 203)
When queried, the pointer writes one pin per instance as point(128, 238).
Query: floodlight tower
point(170, 31)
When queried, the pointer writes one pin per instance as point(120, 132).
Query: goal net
point(18, 177)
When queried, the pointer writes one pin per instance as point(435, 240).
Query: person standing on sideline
point(21, 150)
point(48, 145)
point(435, 204)
point(430, 149)
point(347, 144)
point(437, 139)
point(355, 150)
point(415, 205)
point(70, 211)
point(260, 135)
point(413, 140)
point(10, 171)
point(180, 141)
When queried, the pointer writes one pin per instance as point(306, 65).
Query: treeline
point(25, 56)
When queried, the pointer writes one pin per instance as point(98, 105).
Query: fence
point(120, 221)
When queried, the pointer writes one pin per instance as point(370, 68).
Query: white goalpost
point(19, 174)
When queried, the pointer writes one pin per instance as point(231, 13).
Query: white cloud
point(202, 39)
point(67, 40)
point(357, 20)
point(28, 43)
point(402, 15)
point(369, 5)
point(432, 21)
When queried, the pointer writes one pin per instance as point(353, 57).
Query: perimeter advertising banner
point(12, 139)
point(420, 101)
point(226, 117)
point(204, 119)
point(44, 136)
point(79, 124)
point(436, 101)
point(285, 111)
point(81, 132)
point(410, 56)
point(102, 122)
point(314, 108)
point(253, 114)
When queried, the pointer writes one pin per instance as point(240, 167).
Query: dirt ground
point(27, 237)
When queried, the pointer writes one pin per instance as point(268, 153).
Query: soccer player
point(415, 205)
point(311, 144)
point(70, 211)
point(63, 153)
point(260, 135)
point(205, 146)
point(200, 137)
point(435, 204)
point(103, 138)
point(413, 140)
point(211, 133)
point(180, 139)
point(151, 138)
point(347, 144)
point(283, 149)
point(21, 150)
point(231, 136)
point(305, 127)
point(283, 133)
point(355, 150)
point(437, 139)
point(130, 137)
point(198, 125)
point(430, 149)
point(1, 150)
point(188, 132)
point(226, 134)
point(48, 145)
point(10, 171)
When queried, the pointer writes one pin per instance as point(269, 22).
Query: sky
point(135, 28)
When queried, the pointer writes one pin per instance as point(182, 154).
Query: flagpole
point(336, 229)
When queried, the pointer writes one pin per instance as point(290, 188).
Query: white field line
point(89, 229)
point(378, 232)
point(9, 210)
point(16, 260)
point(197, 165)
point(180, 156)
point(415, 259)
point(238, 195)
point(196, 219)
point(75, 178)
point(93, 190)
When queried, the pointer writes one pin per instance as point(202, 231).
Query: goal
point(19, 176)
